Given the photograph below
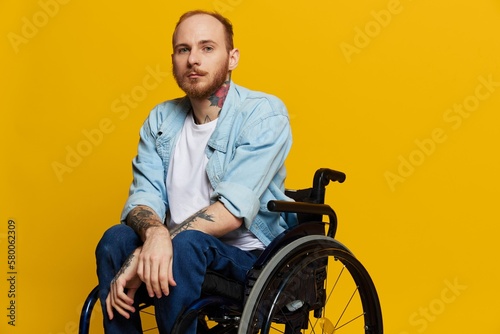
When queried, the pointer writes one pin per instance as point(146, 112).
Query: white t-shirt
point(188, 187)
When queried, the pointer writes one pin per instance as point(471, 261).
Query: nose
point(194, 58)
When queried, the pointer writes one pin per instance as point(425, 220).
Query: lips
point(195, 74)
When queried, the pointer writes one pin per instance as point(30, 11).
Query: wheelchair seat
point(292, 282)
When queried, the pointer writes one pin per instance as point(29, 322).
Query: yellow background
point(374, 88)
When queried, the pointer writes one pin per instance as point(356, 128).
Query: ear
point(234, 58)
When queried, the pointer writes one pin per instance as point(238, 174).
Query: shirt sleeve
point(260, 151)
point(148, 186)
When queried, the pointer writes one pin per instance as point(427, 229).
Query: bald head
point(209, 19)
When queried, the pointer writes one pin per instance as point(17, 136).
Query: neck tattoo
point(219, 96)
point(216, 100)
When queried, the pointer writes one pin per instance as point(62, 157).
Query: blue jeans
point(193, 253)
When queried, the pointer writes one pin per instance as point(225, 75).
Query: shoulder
point(169, 107)
point(167, 112)
point(258, 101)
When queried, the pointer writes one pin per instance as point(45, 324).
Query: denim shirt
point(246, 155)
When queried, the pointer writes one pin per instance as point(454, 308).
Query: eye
point(183, 50)
point(208, 48)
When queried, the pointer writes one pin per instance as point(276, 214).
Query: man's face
point(201, 62)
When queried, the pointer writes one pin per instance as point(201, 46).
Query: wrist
point(156, 229)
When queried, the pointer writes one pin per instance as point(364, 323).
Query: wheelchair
point(305, 281)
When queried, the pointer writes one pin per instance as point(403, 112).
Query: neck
point(208, 109)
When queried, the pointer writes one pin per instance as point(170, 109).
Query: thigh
point(206, 250)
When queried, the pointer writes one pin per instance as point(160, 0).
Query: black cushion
point(220, 285)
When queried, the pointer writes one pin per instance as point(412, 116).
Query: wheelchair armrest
point(299, 207)
point(306, 208)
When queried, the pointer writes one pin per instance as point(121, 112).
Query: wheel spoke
point(357, 317)
point(335, 284)
point(346, 306)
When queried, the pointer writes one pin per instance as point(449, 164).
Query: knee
point(189, 240)
point(116, 237)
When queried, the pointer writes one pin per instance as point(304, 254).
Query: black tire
point(312, 285)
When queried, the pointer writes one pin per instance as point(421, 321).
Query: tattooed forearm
point(141, 218)
point(185, 225)
point(124, 267)
point(181, 227)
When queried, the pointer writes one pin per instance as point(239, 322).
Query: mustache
point(195, 70)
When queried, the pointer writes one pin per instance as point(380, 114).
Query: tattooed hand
point(155, 259)
point(123, 288)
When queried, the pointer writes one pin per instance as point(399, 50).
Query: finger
point(131, 293)
point(118, 291)
point(122, 308)
point(122, 311)
point(124, 300)
point(140, 270)
point(120, 301)
point(164, 279)
point(155, 279)
point(109, 309)
point(171, 279)
point(114, 303)
point(146, 278)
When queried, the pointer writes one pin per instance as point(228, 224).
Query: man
point(207, 165)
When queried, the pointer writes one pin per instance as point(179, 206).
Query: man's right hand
point(155, 261)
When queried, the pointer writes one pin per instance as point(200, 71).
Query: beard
point(195, 88)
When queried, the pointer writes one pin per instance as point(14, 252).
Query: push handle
point(322, 177)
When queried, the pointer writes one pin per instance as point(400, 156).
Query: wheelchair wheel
point(312, 285)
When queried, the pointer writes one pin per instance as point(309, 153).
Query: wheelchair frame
point(295, 263)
